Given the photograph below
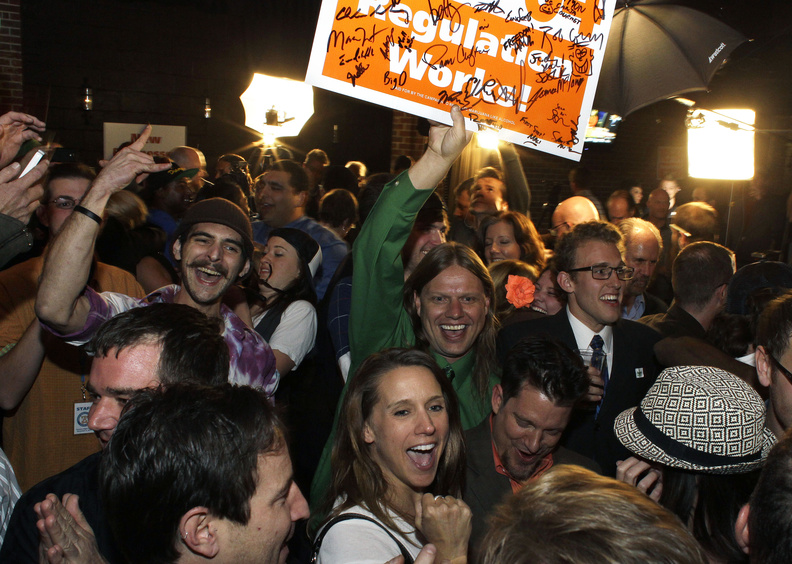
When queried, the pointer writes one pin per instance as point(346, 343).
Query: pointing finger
point(142, 140)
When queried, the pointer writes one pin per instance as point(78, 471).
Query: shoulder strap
point(408, 559)
point(270, 322)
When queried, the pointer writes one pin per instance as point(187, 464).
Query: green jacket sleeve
point(377, 319)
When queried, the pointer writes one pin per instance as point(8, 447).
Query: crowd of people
point(314, 363)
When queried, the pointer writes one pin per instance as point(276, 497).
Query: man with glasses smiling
point(592, 273)
point(41, 391)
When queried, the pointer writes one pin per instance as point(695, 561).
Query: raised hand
point(642, 475)
point(445, 145)
point(448, 142)
point(446, 523)
point(15, 129)
point(19, 198)
point(128, 164)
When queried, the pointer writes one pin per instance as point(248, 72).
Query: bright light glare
point(487, 139)
point(267, 139)
point(293, 100)
point(722, 152)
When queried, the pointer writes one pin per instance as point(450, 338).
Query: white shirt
point(357, 541)
point(296, 333)
point(583, 336)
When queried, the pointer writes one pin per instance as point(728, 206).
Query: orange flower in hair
point(519, 291)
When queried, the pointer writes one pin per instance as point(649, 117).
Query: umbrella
point(658, 50)
point(277, 106)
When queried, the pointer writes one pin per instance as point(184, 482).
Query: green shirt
point(378, 319)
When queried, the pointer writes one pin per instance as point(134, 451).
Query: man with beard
point(213, 243)
point(643, 246)
point(541, 382)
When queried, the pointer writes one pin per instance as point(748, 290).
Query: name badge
point(639, 373)
point(81, 418)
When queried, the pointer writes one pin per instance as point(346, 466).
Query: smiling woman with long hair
point(398, 464)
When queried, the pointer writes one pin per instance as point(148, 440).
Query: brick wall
point(406, 140)
point(10, 56)
point(157, 61)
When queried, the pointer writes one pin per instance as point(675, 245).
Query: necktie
point(598, 357)
point(450, 372)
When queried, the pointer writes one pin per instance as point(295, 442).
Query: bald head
point(658, 204)
point(187, 158)
point(572, 211)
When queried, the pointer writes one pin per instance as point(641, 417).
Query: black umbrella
point(658, 50)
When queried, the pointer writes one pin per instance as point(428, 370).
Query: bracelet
point(88, 213)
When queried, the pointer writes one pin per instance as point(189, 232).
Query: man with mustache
point(213, 243)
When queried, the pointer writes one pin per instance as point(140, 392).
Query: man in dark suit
point(541, 382)
point(591, 272)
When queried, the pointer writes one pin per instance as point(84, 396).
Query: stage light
point(721, 144)
point(277, 107)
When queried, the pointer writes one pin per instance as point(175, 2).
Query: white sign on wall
point(163, 137)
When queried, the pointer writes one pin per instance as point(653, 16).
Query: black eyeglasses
point(555, 229)
point(780, 367)
point(65, 202)
point(603, 271)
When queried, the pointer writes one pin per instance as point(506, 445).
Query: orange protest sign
point(525, 68)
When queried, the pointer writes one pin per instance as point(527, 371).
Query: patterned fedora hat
point(698, 418)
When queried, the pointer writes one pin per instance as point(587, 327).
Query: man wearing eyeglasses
point(773, 360)
point(592, 273)
point(41, 388)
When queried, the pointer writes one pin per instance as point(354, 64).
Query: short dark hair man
point(764, 525)
point(773, 356)
point(589, 266)
point(700, 276)
point(213, 243)
point(620, 206)
point(541, 382)
point(235, 501)
point(491, 190)
point(168, 194)
point(692, 222)
point(488, 193)
point(144, 347)
point(281, 196)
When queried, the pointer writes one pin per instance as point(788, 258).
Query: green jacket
point(377, 317)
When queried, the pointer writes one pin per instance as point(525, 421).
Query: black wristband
point(88, 213)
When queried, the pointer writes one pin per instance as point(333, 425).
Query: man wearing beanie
point(213, 243)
